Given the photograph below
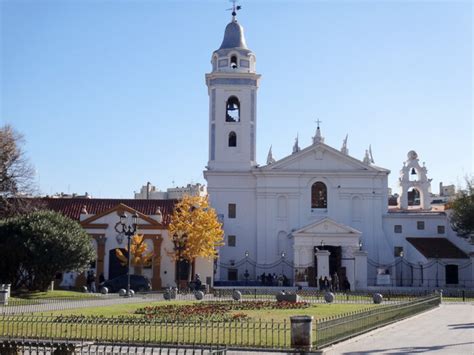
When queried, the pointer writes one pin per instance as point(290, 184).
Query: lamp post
point(437, 282)
point(179, 242)
point(129, 230)
point(282, 263)
point(401, 268)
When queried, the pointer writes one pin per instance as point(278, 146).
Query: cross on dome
point(234, 9)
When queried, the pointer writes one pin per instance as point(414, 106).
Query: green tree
point(36, 246)
point(462, 211)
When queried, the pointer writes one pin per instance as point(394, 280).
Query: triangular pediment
point(327, 227)
point(321, 157)
point(99, 220)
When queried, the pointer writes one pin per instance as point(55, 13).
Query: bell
point(413, 172)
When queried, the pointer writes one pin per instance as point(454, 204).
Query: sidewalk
point(448, 329)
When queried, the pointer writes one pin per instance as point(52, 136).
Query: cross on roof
point(235, 8)
point(318, 121)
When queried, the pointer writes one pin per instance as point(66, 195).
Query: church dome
point(233, 36)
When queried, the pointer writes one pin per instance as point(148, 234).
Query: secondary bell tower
point(232, 88)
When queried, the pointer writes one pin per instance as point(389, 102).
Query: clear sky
point(111, 94)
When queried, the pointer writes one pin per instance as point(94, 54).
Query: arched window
point(233, 62)
point(232, 139)
point(319, 195)
point(232, 110)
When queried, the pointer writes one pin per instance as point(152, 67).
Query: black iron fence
point(248, 333)
point(311, 295)
point(236, 333)
point(48, 347)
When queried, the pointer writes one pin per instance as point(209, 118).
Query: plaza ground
point(448, 329)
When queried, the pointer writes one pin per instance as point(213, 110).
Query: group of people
point(273, 280)
point(90, 280)
point(333, 284)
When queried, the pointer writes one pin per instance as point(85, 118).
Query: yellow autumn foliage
point(140, 256)
point(195, 219)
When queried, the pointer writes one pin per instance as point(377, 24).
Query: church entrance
point(115, 267)
point(335, 261)
point(452, 276)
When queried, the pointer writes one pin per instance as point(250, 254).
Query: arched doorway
point(115, 267)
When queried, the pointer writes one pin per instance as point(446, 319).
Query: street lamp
point(437, 282)
point(401, 268)
point(128, 230)
point(179, 242)
point(282, 262)
point(246, 274)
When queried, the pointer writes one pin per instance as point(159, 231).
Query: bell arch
point(232, 109)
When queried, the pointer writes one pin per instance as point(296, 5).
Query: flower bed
point(219, 311)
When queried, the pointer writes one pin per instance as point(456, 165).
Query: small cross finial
point(234, 9)
point(318, 121)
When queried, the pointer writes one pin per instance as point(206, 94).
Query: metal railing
point(47, 347)
point(248, 333)
point(332, 330)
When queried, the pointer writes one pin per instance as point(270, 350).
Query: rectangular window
point(398, 251)
point(232, 210)
point(231, 240)
point(397, 228)
point(440, 229)
point(420, 225)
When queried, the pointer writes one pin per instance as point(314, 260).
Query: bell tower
point(232, 88)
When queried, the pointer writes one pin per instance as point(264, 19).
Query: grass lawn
point(264, 328)
point(59, 294)
point(316, 310)
point(27, 298)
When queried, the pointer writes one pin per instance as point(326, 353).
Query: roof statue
point(366, 159)
point(344, 149)
point(318, 138)
point(270, 159)
point(296, 147)
point(370, 154)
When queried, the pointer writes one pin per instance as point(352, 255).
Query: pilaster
point(360, 270)
point(322, 257)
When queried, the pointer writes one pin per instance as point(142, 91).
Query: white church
point(319, 211)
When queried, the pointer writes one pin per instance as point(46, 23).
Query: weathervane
point(234, 9)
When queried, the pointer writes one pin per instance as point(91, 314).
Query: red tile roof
point(437, 248)
point(72, 207)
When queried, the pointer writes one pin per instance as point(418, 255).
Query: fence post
point(301, 332)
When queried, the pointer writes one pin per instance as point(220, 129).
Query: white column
point(360, 270)
point(322, 257)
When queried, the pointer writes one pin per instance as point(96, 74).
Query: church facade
point(318, 212)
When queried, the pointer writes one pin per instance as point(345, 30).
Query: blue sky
point(111, 94)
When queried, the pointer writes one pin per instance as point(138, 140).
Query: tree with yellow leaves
point(195, 230)
point(140, 255)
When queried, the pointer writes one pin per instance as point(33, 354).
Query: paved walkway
point(448, 329)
